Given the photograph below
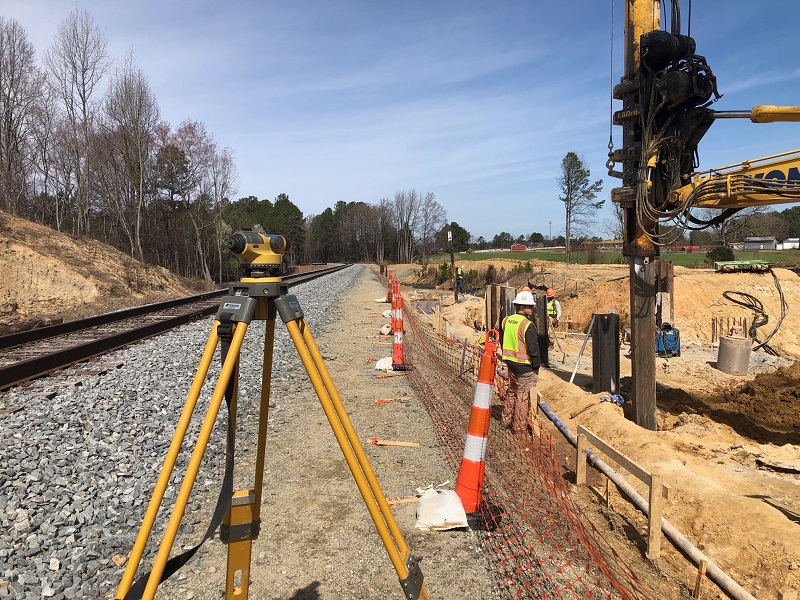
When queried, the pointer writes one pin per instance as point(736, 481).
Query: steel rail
point(25, 370)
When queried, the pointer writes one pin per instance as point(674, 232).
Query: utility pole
point(452, 264)
point(551, 232)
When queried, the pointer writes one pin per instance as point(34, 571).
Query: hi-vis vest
point(551, 308)
point(459, 272)
point(514, 348)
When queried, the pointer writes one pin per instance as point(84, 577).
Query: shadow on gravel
point(307, 593)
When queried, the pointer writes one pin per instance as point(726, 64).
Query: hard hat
point(551, 293)
point(525, 299)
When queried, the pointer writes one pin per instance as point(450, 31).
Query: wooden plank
point(654, 518)
point(626, 463)
point(376, 442)
point(580, 460)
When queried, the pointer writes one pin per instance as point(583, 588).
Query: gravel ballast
point(79, 463)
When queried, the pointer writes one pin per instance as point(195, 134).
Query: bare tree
point(20, 82)
point(131, 111)
point(76, 64)
point(432, 217)
point(577, 194)
point(221, 186)
point(197, 145)
point(405, 216)
point(613, 227)
point(733, 228)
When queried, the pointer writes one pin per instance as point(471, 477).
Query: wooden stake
point(701, 574)
point(377, 442)
point(398, 399)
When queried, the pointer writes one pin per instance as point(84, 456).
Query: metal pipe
point(586, 339)
point(730, 114)
point(713, 572)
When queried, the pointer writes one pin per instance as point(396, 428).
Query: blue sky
point(474, 101)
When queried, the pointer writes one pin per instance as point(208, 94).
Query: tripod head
point(261, 255)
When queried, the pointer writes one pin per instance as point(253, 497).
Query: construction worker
point(553, 307)
point(460, 279)
point(520, 352)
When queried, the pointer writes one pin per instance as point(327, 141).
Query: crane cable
point(760, 317)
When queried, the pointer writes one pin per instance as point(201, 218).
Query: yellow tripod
point(260, 298)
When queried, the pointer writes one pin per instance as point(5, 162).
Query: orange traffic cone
point(469, 483)
point(398, 357)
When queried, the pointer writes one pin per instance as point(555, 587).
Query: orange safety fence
point(537, 540)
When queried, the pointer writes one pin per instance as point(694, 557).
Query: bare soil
point(728, 446)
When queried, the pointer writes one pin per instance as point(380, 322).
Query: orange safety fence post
point(398, 356)
point(469, 483)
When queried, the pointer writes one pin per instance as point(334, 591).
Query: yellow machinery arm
point(771, 114)
point(771, 179)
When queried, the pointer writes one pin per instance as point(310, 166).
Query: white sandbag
point(380, 300)
point(387, 314)
point(384, 364)
point(386, 329)
point(440, 510)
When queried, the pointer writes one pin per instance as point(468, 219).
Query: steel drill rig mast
point(666, 92)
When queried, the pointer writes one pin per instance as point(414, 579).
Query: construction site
point(660, 456)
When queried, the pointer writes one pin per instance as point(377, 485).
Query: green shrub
point(491, 273)
point(444, 273)
point(719, 253)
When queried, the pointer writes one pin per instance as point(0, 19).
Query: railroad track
point(30, 354)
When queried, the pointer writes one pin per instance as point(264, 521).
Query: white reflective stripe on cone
point(475, 448)
point(483, 395)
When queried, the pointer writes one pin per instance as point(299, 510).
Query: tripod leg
point(243, 520)
point(171, 532)
point(407, 568)
point(169, 464)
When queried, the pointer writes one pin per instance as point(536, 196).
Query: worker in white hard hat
point(521, 354)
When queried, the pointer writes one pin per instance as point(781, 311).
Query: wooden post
point(654, 520)
point(580, 460)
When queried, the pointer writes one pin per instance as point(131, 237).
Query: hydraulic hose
point(713, 572)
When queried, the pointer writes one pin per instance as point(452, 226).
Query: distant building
point(789, 244)
point(760, 243)
point(519, 248)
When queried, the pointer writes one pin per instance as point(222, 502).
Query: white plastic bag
point(384, 364)
point(440, 510)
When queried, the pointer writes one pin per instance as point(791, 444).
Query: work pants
point(517, 403)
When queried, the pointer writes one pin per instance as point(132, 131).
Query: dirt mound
point(771, 400)
point(48, 276)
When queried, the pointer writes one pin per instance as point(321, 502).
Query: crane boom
point(771, 179)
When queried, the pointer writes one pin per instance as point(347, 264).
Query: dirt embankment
point(49, 276)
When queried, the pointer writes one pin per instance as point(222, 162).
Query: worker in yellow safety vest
point(460, 279)
point(520, 352)
point(553, 307)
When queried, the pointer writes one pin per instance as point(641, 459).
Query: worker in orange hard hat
point(520, 352)
point(553, 306)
